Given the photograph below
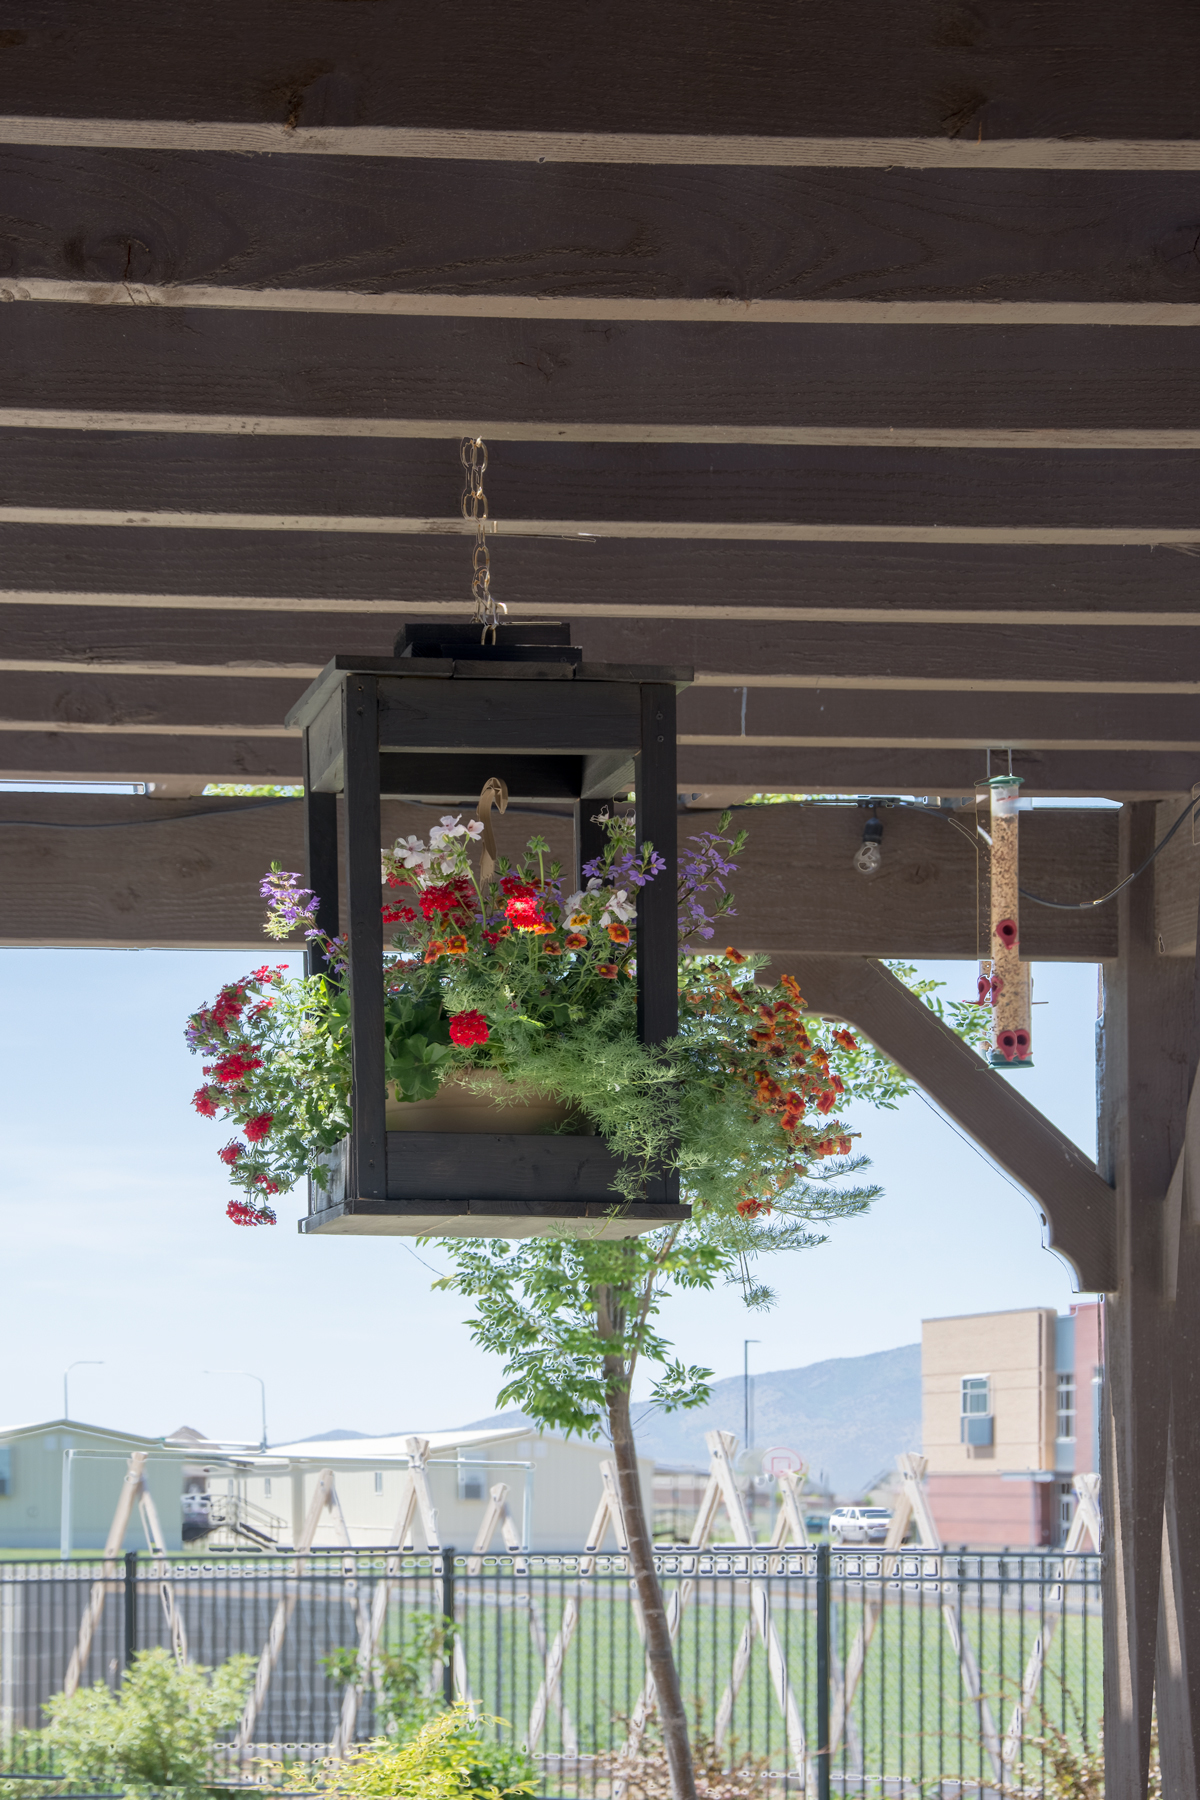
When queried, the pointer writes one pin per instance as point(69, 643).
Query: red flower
point(268, 1186)
point(750, 1209)
point(257, 1129)
point(516, 889)
point(609, 971)
point(469, 1028)
point(398, 915)
point(236, 1066)
point(527, 915)
point(456, 946)
point(263, 974)
point(491, 937)
point(619, 933)
point(439, 899)
point(242, 1213)
point(202, 1100)
point(576, 941)
point(231, 1152)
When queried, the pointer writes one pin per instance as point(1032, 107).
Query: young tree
point(574, 1317)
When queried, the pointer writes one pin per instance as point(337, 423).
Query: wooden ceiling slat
point(253, 706)
point(739, 484)
point(551, 229)
point(862, 68)
point(246, 570)
point(1030, 376)
point(262, 649)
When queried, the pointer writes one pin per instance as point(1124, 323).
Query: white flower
point(571, 904)
point(619, 907)
point(475, 829)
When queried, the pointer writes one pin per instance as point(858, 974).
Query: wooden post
point(1145, 1056)
point(321, 860)
point(368, 1140)
point(131, 1487)
point(657, 926)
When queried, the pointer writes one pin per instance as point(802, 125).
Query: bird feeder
point(434, 723)
point(1012, 1045)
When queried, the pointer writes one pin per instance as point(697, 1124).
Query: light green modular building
point(60, 1481)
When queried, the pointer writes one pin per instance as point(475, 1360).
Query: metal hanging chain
point(488, 610)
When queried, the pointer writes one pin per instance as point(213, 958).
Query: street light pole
point(250, 1376)
point(85, 1362)
point(746, 1343)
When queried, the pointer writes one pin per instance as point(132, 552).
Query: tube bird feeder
point(434, 723)
point(1012, 1045)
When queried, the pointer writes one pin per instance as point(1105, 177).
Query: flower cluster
point(232, 1032)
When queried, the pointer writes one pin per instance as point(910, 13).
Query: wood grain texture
point(1078, 1206)
point(1020, 69)
point(562, 230)
point(1146, 1050)
point(204, 361)
point(802, 718)
point(765, 656)
point(689, 483)
point(953, 716)
point(182, 765)
point(193, 881)
point(298, 573)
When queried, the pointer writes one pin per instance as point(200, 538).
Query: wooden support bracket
point(1077, 1205)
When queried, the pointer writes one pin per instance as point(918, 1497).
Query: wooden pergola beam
point(1078, 1206)
point(96, 872)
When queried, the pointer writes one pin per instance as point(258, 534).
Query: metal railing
point(846, 1671)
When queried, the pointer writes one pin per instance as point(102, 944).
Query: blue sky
point(118, 1247)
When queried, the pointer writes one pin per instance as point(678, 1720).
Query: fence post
point(448, 1624)
point(131, 1575)
point(823, 1672)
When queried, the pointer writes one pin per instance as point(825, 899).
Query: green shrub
point(445, 1759)
point(156, 1733)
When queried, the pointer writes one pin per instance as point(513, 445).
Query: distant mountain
point(325, 1437)
point(847, 1417)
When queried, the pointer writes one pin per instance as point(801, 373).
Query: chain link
point(488, 610)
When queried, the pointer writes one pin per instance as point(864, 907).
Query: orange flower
point(456, 946)
point(435, 950)
point(609, 971)
point(552, 947)
point(734, 956)
point(619, 933)
point(793, 987)
point(579, 921)
point(846, 1039)
point(576, 941)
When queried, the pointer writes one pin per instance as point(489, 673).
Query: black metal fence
point(852, 1672)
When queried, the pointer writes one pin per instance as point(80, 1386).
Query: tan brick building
point(1010, 1415)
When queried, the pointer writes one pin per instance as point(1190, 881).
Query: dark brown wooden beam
point(1078, 1207)
point(532, 228)
point(93, 873)
point(1024, 70)
point(182, 765)
point(733, 483)
point(150, 358)
point(247, 569)
point(174, 643)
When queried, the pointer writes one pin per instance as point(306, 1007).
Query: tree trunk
point(659, 1654)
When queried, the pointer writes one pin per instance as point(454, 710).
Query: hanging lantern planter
point(474, 1050)
point(521, 718)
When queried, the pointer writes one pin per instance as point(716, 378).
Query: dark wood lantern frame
point(432, 724)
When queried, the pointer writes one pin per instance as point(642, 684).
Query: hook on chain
point(488, 610)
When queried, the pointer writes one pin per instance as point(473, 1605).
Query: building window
point(976, 1396)
point(266, 1487)
point(379, 1481)
point(976, 1425)
point(1065, 1411)
point(470, 1483)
